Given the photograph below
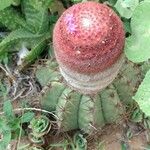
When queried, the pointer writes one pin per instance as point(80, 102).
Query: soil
point(114, 138)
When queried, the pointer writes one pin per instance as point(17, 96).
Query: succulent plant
point(40, 126)
point(85, 112)
point(88, 42)
point(36, 140)
point(79, 142)
point(35, 148)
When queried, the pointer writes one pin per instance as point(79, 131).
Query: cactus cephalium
point(85, 112)
point(88, 42)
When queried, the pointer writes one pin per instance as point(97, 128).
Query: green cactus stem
point(128, 81)
point(87, 112)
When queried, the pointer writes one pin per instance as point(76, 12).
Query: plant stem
point(32, 109)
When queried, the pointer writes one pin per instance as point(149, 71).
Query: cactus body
point(67, 111)
point(112, 107)
point(87, 112)
point(90, 114)
point(127, 82)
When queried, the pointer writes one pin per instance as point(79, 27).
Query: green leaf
point(126, 7)
point(8, 109)
point(5, 134)
point(5, 3)
point(142, 96)
point(27, 117)
point(137, 46)
point(12, 19)
point(145, 0)
point(36, 51)
point(17, 36)
point(36, 15)
point(14, 124)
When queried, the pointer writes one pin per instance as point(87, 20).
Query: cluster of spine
point(87, 112)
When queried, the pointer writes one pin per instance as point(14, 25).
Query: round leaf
point(142, 96)
point(137, 46)
point(126, 7)
point(5, 3)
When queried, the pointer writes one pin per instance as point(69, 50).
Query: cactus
point(89, 51)
point(127, 81)
point(86, 112)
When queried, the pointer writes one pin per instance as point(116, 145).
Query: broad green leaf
point(146, 0)
point(5, 134)
point(27, 117)
point(14, 124)
point(5, 3)
point(16, 36)
point(36, 15)
point(40, 4)
point(142, 96)
point(8, 109)
point(137, 46)
point(12, 19)
point(35, 51)
point(126, 7)
point(137, 49)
